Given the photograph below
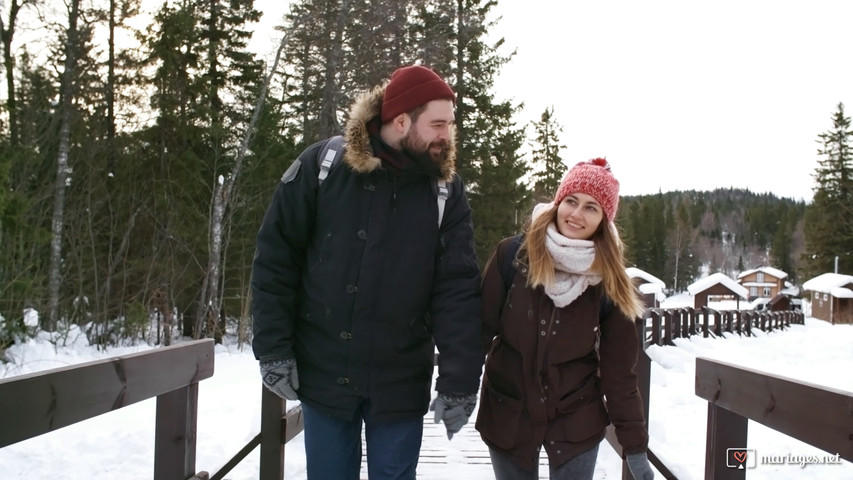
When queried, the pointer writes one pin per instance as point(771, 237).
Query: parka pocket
point(587, 393)
point(584, 422)
point(499, 417)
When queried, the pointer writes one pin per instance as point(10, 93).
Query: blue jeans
point(579, 467)
point(333, 446)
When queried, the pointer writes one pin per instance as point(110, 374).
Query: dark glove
point(454, 409)
point(281, 377)
point(638, 464)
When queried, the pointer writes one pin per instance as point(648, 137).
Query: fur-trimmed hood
point(359, 155)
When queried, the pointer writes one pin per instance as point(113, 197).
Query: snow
point(120, 444)
point(826, 282)
point(773, 272)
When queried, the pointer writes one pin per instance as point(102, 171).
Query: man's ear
point(402, 123)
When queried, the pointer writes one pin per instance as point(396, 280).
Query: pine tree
point(829, 218)
point(546, 155)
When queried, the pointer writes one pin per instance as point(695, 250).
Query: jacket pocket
point(584, 422)
point(499, 418)
point(587, 393)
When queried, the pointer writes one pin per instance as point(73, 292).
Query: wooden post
point(272, 436)
point(175, 434)
point(726, 430)
point(656, 337)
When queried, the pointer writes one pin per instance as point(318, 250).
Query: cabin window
point(759, 277)
point(766, 291)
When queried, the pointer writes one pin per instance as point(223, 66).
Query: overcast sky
point(679, 94)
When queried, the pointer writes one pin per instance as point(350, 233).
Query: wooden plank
point(820, 416)
point(38, 403)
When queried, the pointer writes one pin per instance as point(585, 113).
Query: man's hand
point(454, 409)
point(281, 377)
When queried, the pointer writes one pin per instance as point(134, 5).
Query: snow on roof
point(826, 282)
point(634, 272)
point(705, 283)
point(648, 288)
point(775, 272)
point(841, 292)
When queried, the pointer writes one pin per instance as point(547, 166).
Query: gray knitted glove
point(281, 377)
point(638, 464)
point(454, 409)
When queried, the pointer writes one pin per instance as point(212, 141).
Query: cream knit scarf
point(572, 261)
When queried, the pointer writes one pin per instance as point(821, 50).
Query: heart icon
point(740, 456)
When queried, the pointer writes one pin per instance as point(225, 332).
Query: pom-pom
point(601, 162)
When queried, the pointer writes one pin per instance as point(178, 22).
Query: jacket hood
point(359, 155)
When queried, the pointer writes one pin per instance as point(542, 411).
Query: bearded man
point(357, 279)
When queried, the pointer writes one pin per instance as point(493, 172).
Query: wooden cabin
point(716, 286)
point(763, 282)
point(831, 296)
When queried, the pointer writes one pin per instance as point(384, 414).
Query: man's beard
point(421, 152)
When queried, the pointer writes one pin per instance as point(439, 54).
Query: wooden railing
point(64, 396)
point(671, 323)
point(819, 416)
point(39, 403)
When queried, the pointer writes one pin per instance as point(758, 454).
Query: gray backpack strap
point(329, 156)
point(443, 193)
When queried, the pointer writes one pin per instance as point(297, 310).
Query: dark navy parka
point(356, 280)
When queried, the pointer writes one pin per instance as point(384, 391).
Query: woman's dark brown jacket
point(545, 382)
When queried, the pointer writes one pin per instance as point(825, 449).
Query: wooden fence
point(665, 325)
point(38, 403)
point(61, 397)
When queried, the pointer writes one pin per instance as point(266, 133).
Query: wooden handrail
point(817, 415)
point(42, 402)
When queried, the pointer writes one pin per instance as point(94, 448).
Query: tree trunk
point(62, 170)
point(210, 303)
point(6, 35)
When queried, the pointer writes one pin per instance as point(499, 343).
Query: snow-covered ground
point(120, 444)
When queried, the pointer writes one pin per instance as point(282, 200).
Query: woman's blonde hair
point(609, 261)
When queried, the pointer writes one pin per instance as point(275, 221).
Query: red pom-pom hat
point(593, 178)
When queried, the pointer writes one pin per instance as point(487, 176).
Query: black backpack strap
point(508, 265)
point(329, 157)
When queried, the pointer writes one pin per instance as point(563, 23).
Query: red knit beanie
point(594, 179)
point(411, 87)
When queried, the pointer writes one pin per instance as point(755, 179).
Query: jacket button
point(345, 335)
point(369, 186)
point(352, 289)
point(542, 321)
point(362, 235)
point(543, 333)
point(343, 380)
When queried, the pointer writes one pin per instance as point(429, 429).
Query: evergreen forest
point(136, 173)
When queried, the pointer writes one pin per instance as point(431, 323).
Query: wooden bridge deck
point(467, 457)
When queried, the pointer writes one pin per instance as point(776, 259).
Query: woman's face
point(578, 216)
